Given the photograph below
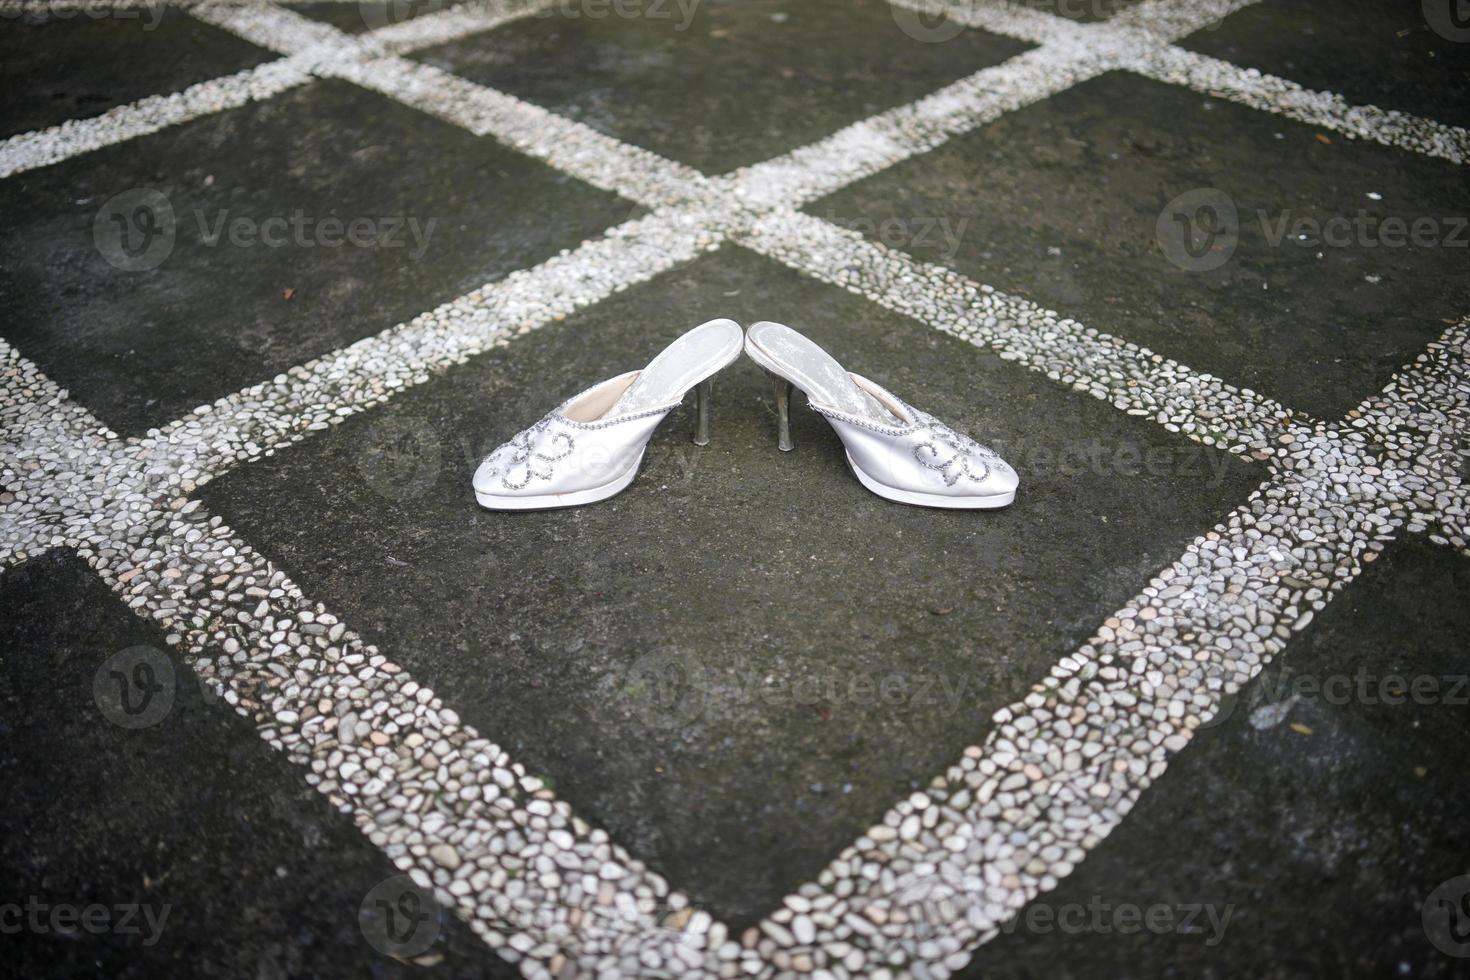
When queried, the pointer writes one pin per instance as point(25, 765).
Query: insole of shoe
point(682, 365)
point(816, 372)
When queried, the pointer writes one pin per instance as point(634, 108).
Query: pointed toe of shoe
point(486, 479)
point(489, 487)
point(1001, 481)
point(996, 489)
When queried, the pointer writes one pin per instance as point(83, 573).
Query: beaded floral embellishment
point(953, 455)
point(525, 462)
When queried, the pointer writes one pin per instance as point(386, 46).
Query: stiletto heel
point(894, 450)
point(783, 411)
point(703, 393)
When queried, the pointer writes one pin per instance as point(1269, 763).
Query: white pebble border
point(946, 867)
point(62, 8)
point(1202, 627)
point(1011, 18)
point(879, 142)
point(1159, 21)
point(44, 147)
point(1132, 378)
point(252, 422)
point(1249, 87)
point(451, 24)
point(444, 804)
point(1069, 55)
point(602, 161)
point(1171, 64)
point(575, 149)
point(255, 422)
point(1424, 415)
point(274, 28)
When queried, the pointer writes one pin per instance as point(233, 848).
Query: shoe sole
point(991, 502)
point(551, 501)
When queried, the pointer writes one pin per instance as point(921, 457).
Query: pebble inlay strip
point(1174, 65)
point(1070, 54)
point(1424, 415)
point(580, 151)
point(946, 867)
point(575, 149)
point(879, 142)
point(44, 147)
point(1361, 502)
point(446, 805)
point(1011, 18)
point(277, 29)
point(1249, 87)
point(444, 26)
point(254, 422)
point(1133, 379)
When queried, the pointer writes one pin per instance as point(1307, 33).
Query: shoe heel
point(783, 411)
point(703, 395)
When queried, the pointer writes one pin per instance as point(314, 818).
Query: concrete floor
point(719, 680)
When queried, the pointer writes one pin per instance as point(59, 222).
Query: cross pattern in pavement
point(1010, 818)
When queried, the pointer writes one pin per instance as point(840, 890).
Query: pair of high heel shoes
point(590, 447)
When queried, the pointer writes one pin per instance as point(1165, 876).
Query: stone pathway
point(1024, 797)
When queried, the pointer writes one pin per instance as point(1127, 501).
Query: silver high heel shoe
point(589, 448)
point(894, 450)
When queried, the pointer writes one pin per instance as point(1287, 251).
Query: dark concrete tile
point(717, 84)
point(1322, 846)
point(142, 347)
point(55, 68)
point(1412, 55)
point(739, 663)
point(1061, 203)
point(369, 15)
point(245, 869)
